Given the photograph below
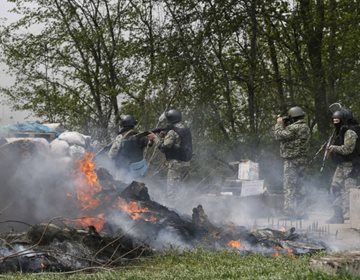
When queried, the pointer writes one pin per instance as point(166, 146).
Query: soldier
point(127, 151)
point(345, 152)
point(293, 134)
point(176, 144)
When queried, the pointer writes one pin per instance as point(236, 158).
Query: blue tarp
point(27, 126)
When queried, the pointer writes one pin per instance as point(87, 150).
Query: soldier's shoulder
point(171, 133)
point(119, 137)
point(180, 125)
point(351, 133)
point(300, 124)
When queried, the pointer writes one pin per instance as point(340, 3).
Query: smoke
point(34, 188)
point(166, 237)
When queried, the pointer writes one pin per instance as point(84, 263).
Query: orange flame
point(290, 252)
point(88, 184)
point(152, 219)
point(276, 254)
point(98, 222)
point(280, 250)
point(133, 209)
point(235, 244)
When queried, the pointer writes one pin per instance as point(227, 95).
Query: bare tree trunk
point(313, 20)
point(253, 61)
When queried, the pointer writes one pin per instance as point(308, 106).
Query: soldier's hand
point(151, 136)
point(279, 120)
point(331, 148)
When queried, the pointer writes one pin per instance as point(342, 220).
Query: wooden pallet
point(32, 134)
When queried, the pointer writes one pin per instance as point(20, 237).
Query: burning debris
point(116, 223)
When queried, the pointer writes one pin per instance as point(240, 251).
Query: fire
point(235, 244)
point(133, 209)
point(282, 251)
point(98, 222)
point(88, 184)
point(290, 252)
point(152, 219)
point(276, 254)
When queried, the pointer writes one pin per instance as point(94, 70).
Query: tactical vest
point(184, 152)
point(339, 140)
point(131, 150)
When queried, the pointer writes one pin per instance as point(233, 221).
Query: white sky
point(6, 115)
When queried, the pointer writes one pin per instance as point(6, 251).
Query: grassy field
point(201, 265)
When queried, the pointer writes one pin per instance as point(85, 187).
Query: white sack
point(59, 147)
point(73, 138)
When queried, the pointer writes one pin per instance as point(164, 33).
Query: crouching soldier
point(127, 151)
point(176, 144)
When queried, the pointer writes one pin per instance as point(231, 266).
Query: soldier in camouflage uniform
point(345, 153)
point(127, 151)
point(176, 144)
point(294, 141)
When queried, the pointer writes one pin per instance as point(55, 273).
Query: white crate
point(248, 170)
point(255, 187)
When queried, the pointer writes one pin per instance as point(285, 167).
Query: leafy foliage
point(230, 66)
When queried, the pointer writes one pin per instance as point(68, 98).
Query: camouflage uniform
point(114, 150)
point(177, 169)
point(341, 181)
point(129, 160)
point(294, 141)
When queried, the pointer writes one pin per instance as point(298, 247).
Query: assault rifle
point(327, 150)
point(155, 130)
point(322, 147)
point(107, 147)
point(286, 120)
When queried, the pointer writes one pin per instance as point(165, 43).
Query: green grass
point(202, 265)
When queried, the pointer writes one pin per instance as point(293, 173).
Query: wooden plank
point(344, 263)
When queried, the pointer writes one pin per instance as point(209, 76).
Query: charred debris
point(117, 223)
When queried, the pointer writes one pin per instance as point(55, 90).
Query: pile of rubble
point(131, 226)
point(116, 223)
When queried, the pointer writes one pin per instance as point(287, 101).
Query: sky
point(6, 115)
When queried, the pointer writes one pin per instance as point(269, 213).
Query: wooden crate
point(31, 134)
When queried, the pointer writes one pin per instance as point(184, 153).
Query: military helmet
point(295, 112)
point(128, 121)
point(343, 114)
point(173, 116)
point(347, 114)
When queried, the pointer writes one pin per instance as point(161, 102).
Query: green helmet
point(295, 112)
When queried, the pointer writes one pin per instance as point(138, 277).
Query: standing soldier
point(127, 151)
point(345, 152)
point(293, 134)
point(176, 144)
